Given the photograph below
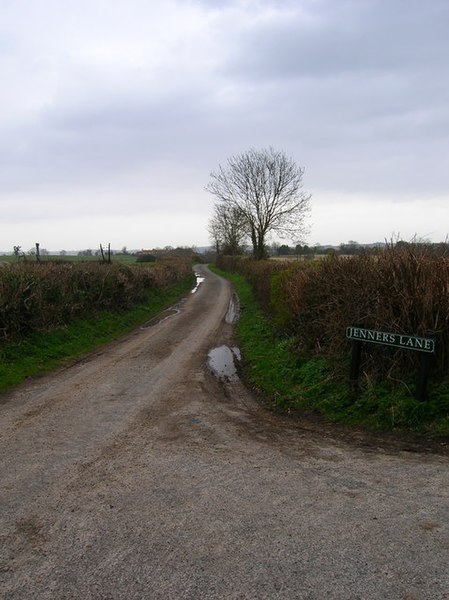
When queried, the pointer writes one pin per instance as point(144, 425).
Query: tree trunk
point(258, 240)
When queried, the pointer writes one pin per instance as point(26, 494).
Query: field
point(115, 258)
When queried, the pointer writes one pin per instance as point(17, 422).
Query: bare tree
point(265, 188)
point(227, 229)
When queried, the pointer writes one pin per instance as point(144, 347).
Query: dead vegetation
point(38, 297)
point(405, 289)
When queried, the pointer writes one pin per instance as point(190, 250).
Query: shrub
point(405, 289)
point(39, 297)
point(146, 258)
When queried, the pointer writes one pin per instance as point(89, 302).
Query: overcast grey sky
point(114, 113)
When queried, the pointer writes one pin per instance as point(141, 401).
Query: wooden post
point(38, 256)
point(424, 345)
point(109, 253)
point(356, 353)
point(424, 371)
point(354, 369)
point(102, 253)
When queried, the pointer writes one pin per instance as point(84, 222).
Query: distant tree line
point(150, 255)
point(350, 248)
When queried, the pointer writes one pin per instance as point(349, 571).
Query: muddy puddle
point(233, 312)
point(199, 281)
point(221, 362)
point(173, 310)
point(163, 316)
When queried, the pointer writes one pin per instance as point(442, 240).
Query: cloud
point(111, 107)
point(322, 38)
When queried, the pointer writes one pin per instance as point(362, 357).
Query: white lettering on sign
point(398, 340)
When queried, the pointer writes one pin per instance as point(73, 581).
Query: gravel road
point(137, 474)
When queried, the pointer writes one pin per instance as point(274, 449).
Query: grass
point(270, 363)
point(290, 382)
point(126, 259)
point(42, 352)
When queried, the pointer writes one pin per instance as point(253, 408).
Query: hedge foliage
point(38, 297)
point(404, 289)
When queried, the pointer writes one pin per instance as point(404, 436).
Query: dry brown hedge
point(38, 297)
point(404, 289)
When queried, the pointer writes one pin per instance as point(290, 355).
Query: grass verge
point(40, 353)
point(291, 383)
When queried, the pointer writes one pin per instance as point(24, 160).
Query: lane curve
point(137, 474)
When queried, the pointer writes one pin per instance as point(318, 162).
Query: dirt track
point(137, 474)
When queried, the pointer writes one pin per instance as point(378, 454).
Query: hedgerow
point(404, 289)
point(39, 297)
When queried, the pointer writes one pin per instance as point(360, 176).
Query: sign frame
point(395, 340)
point(425, 345)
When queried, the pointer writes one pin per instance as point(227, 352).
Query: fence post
point(424, 371)
point(356, 353)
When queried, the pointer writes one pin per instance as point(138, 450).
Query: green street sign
point(397, 340)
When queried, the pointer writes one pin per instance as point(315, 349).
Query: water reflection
point(199, 281)
point(233, 312)
point(163, 316)
point(221, 362)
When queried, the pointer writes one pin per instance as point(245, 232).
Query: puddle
point(163, 316)
point(173, 310)
point(199, 281)
point(233, 312)
point(221, 361)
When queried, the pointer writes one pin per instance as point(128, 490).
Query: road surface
point(137, 474)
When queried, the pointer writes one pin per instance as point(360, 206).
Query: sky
point(113, 115)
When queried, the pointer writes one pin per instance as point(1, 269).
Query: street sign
point(360, 335)
point(397, 340)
